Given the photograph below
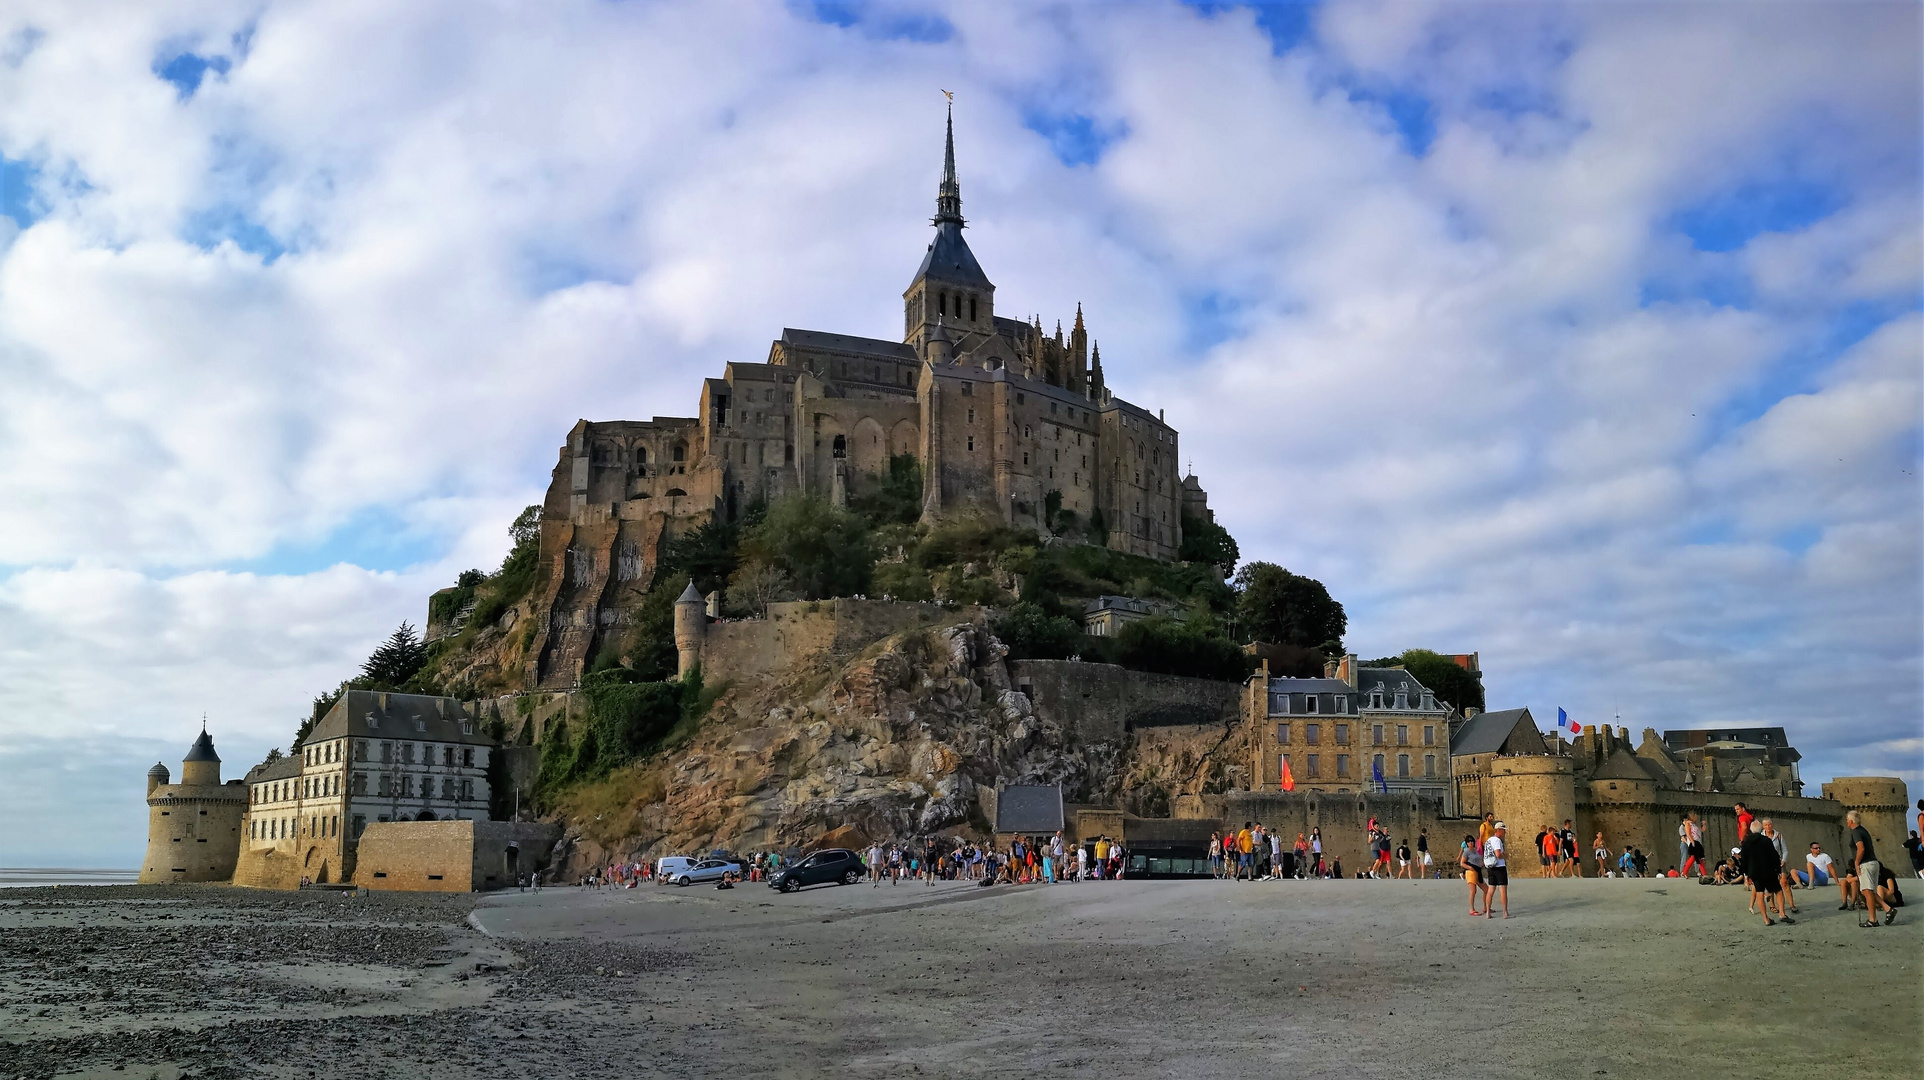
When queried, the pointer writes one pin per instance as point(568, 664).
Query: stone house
point(1342, 732)
point(374, 757)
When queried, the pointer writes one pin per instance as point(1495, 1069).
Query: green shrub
point(1031, 633)
point(897, 499)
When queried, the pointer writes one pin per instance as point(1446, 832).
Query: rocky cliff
point(904, 739)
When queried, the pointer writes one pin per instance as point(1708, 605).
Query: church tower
point(950, 287)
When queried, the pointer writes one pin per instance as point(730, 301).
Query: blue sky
point(1585, 337)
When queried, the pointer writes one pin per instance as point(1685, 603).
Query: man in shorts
point(1567, 847)
point(1864, 862)
point(1496, 873)
point(1403, 859)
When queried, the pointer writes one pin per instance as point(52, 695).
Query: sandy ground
point(1350, 978)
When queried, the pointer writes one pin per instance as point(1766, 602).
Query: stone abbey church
point(999, 414)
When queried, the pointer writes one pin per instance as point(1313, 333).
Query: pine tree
point(396, 661)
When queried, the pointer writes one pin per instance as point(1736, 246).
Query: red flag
point(1289, 782)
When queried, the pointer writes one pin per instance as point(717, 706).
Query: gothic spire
point(948, 197)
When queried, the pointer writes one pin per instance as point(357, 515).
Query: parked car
point(668, 866)
point(706, 870)
point(838, 865)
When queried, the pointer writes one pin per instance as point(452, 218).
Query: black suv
point(833, 864)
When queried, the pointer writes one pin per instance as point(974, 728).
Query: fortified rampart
point(452, 856)
point(1104, 702)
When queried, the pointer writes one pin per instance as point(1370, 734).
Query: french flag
point(1564, 723)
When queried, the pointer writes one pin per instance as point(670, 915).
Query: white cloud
point(1439, 382)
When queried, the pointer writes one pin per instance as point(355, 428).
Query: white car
point(706, 870)
point(669, 865)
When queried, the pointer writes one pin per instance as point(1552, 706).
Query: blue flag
point(1376, 773)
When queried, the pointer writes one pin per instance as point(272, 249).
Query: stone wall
point(806, 633)
point(1344, 819)
point(1103, 702)
point(451, 856)
point(1884, 808)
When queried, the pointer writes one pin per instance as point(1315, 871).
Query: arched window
point(674, 493)
point(840, 448)
point(942, 303)
point(641, 455)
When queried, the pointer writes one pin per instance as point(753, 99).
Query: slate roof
point(949, 259)
point(370, 714)
point(1029, 808)
point(1392, 680)
point(1621, 765)
point(282, 768)
point(203, 749)
point(1288, 685)
point(824, 341)
point(1485, 733)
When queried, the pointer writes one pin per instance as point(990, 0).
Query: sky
point(1586, 338)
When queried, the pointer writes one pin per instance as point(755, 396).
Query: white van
point(668, 867)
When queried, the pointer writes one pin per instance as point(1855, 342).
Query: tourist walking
point(1469, 856)
point(1602, 853)
point(1423, 853)
point(1403, 859)
point(1765, 870)
point(1496, 873)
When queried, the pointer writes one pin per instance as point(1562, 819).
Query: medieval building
point(1002, 417)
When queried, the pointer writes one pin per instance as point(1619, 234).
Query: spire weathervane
point(948, 196)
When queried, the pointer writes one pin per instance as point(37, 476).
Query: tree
point(396, 660)
point(1444, 678)
point(1193, 645)
point(1207, 542)
point(1288, 609)
point(824, 550)
point(708, 554)
point(1031, 633)
point(650, 642)
point(526, 530)
point(757, 585)
point(897, 500)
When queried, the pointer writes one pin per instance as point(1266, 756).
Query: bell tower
point(950, 287)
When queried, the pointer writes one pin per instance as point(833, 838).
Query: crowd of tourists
point(1257, 852)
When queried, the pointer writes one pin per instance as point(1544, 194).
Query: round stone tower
point(193, 827)
point(1528, 792)
point(1882, 806)
point(691, 626)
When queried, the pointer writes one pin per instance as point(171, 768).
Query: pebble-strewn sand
point(1373, 979)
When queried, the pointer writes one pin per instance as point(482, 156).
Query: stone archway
point(869, 449)
point(905, 438)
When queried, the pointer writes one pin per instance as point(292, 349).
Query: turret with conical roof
point(193, 827)
point(201, 766)
point(691, 626)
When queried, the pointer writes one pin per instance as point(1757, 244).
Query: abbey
point(1003, 419)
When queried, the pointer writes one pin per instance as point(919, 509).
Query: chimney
point(1330, 667)
point(1470, 711)
point(1346, 669)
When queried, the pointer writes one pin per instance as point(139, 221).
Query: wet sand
point(1204, 979)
